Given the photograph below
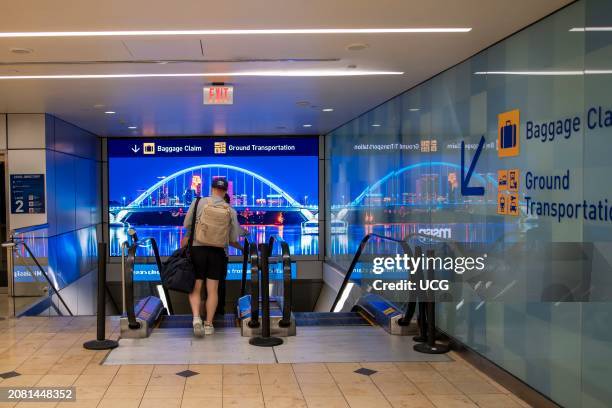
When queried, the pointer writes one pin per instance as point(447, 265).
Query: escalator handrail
point(254, 255)
point(287, 283)
point(129, 279)
point(246, 252)
point(347, 277)
point(42, 271)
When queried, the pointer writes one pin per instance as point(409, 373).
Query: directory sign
point(27, 193)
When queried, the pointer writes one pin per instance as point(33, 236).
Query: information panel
point(27, 193)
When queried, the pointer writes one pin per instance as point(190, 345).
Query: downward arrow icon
point(135, 149)
point(466, 190)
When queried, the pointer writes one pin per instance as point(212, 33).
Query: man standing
point(216, 227)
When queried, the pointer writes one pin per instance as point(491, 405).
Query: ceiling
point(262, 105)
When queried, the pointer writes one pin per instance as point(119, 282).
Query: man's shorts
point(209, 262)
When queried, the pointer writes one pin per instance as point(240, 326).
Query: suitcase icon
point(507, 135)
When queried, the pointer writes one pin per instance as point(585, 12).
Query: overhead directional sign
point(466, 189)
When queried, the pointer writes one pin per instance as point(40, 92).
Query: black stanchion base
point(265, 341)
point(100, 344)
point(420, 339)
point(427, 349)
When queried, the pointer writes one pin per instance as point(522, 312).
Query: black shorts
point(209, 262)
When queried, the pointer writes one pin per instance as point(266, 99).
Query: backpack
point(214, 224)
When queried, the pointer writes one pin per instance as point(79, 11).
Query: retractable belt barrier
point(427, 313)
point(276, 316)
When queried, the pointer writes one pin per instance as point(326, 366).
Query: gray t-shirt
point(234, 232)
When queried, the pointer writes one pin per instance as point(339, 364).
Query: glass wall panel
point(540, 102)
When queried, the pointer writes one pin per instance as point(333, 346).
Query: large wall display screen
point(273, 185)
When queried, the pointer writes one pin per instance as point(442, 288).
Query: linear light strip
point(583, 29)
point(296, 73)
point(548, 73)
point(234, 32)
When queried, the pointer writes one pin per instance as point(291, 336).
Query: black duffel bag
point(178, 272)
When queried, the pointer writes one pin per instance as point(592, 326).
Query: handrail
point(254, 254)
point(31, 228)
point(404, 321)
point(245, 263)
point(287, 286)
point(129, 280)
point(42, 271)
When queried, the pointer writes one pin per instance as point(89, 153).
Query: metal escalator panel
point(330, 319)
point(185, 321)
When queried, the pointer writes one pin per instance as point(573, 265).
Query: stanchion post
point(101, 342)
point(265, 340)
point(430, 346)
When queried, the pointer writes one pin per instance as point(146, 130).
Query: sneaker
point(198, 329)
point(208, 329)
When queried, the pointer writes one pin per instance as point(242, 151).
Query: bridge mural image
point(263, 207)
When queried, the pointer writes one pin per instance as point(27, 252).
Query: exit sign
point(218, 95)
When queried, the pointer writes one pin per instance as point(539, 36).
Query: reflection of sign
point(502, 203)
point(513, 204)
point(220, 148)
point(502, 180)
point(218, 95)
point(466, 190)
point(27, 193)
point(148, 148)
point(429, 146)
point(508, 124)
point(513, 179)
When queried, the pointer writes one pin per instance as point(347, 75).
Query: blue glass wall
point(396, 170)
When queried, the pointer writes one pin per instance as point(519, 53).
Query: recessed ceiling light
point(99, 106)
point(22, 50)
point(307, 125)
point(132, 127)
point(328, 109)
point(356, 47)
point(282, 31)
point(414, 109)
point(286, 73)
point(375, 124)
point(110, 112)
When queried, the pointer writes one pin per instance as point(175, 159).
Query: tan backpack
point(214, 225)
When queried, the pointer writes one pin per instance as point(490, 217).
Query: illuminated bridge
point(420, 184)
point(177, 191)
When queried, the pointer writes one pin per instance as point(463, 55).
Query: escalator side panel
point(385, 313)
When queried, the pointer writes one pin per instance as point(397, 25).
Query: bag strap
point(193, 223)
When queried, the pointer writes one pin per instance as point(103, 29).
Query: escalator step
point(184, 321)
point(330, 319)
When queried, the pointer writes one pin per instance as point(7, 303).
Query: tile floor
point(48, 351)
point(312, 345)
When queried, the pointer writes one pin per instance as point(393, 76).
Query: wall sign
point(27, 193)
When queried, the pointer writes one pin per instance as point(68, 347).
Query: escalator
point(356, 303)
